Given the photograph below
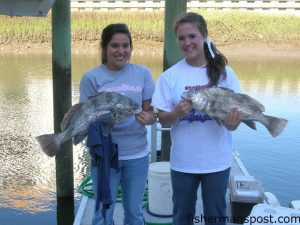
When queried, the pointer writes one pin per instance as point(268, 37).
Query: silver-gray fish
point(217, 102)
point(109, 108)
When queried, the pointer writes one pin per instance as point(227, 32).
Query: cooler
point(245, 192)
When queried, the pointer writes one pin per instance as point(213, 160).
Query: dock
point(247, 187)
point(85, 212)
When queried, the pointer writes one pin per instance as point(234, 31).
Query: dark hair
point(108, 33)
point(216, 64)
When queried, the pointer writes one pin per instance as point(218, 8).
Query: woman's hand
point(183, 108)
point(233, 119)
point(146, 118)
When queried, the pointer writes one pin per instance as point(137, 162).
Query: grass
point(224, 27)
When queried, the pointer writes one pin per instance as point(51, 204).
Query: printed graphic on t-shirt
point(192, 87)
point(195, 115)
point(120, 88)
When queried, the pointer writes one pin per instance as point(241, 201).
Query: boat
point(246, 200)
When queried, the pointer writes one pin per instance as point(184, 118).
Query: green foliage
point(224, 27)
point(143, 25)
point(233, 26)
point(24, 29)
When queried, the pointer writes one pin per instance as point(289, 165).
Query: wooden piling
point(62, 99)
point(171, 55)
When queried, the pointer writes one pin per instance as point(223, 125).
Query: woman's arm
point(182, 109)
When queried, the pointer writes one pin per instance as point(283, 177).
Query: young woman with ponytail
point(201, 149)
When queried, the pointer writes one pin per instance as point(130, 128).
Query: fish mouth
point(186, 96)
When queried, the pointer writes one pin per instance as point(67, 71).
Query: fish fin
point(69, 114)
point(254, 102)
point(107, 117)
point(248, 98)
point(275, 125)
point(227, 89)
point(98, 93)
point(79, 137)
point(250, 123)
point(218, 121)
point(92, 96)
point(103, 93)
point(49, 144)
point(106, 128)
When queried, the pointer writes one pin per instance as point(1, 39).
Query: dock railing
point(262, 6)
point(156, 129)
point(153, 143)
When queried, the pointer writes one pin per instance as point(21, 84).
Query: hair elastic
point(209, 44)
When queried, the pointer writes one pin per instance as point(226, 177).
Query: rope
point(86, 188)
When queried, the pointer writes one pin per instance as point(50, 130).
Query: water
point(27, 176)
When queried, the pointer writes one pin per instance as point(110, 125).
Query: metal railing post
point(154, 142)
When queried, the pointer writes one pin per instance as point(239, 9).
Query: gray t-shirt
point(134, 81)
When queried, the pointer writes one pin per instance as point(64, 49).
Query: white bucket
point(160, 189)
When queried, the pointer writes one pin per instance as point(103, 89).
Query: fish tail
point(275, 125)
point(49, 143)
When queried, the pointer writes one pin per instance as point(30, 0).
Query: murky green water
point(27, 176)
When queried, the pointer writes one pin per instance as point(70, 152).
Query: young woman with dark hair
point(117, 74)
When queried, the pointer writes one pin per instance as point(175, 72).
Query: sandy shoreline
point(290, 49)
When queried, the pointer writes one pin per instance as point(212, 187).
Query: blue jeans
point(133, 178)
point(213, 186)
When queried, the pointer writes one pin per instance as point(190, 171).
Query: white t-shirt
point(199, 145)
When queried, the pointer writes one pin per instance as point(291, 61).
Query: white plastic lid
point(245, 189)
point(295, 204)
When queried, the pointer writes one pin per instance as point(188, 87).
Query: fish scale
point(109, 108)
point(216, 102)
